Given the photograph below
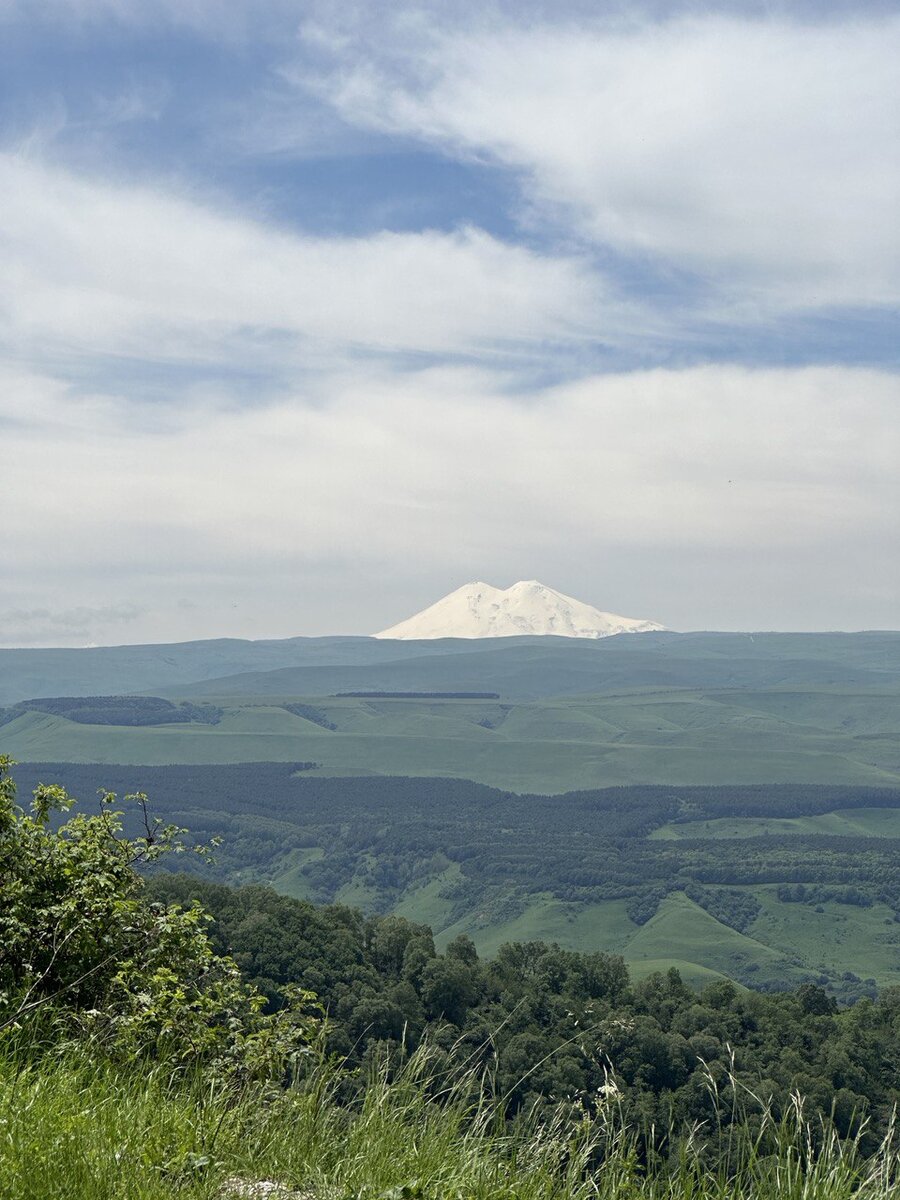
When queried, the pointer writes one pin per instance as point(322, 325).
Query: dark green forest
point(128, 711)
point(556, 1024)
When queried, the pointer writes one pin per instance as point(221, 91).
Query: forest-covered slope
point(772, 886)
point(167, 1038)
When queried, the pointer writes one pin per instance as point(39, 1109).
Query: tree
point(448, 989)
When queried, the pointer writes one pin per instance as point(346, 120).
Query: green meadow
point(548, 745)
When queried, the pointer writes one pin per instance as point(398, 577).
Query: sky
point(311, 313)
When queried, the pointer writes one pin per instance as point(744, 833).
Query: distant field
point(830, 936)
point(861, 822)
point(551, 745)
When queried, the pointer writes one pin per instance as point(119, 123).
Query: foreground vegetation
point(551, 1025)
point(73, 1129)
point(137, 1058)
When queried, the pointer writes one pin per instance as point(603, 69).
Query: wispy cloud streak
point(762, 155)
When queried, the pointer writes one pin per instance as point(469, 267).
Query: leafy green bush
point(83, 951)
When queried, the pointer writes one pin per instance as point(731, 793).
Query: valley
point(706, 879)
point(728, 804)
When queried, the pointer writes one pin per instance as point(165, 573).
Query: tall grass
point(73, 1128)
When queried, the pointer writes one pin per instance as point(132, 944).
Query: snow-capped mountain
point(478, 610)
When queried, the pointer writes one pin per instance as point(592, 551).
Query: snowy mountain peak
point(527, 608)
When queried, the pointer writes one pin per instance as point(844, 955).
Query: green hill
point(112, 670)
point(808, 890)
point(567, 713)
point(520, 668)
point(553, 745)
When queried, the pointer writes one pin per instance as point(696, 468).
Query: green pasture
point(853, 822)
point(784, 944)
point(553, 745)
point(832, 937)
point(587, 927)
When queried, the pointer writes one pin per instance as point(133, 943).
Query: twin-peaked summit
point(528, 608)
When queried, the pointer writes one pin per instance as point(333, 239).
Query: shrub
point(82, 950)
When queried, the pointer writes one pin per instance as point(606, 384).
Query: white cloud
point(302, 514)
point(757, 154)
point(117, 270)
point(762, 153)
point(43, 626)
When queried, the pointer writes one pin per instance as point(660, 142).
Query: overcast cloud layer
point(305, 322)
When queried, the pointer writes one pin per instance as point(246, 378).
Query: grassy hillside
point(554, 745)
point(75, 1128)
point(859, 822)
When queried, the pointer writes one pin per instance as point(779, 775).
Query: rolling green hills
point(569, 713)
point(113, 670)
point(519, 668)
point(837, 734)
point(708, 879)
point(749, 826)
